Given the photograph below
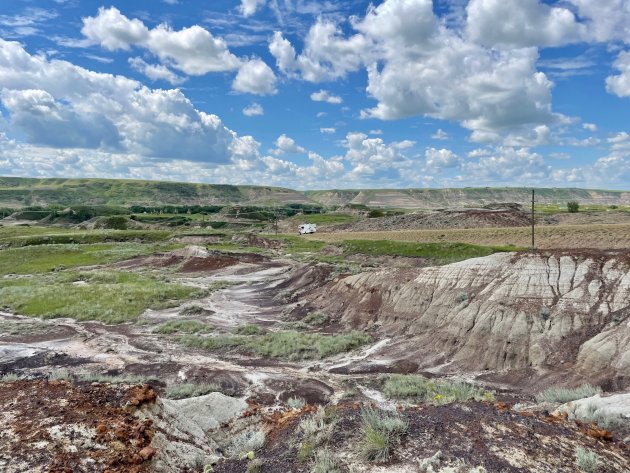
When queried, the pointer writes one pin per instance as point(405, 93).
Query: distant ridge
point(19, 192)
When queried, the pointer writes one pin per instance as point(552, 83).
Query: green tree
point(573, 207)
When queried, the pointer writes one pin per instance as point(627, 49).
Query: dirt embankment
point(537, 313)
point(464, 218)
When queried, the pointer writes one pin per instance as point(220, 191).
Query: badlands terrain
point(432, 339)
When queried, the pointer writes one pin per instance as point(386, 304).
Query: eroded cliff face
point(505, 311)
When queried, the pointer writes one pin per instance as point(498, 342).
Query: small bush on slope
point(439, 392)
point(380, 431)
point(587, 461)
point(563, 395)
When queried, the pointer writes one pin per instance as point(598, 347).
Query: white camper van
point(307, 228)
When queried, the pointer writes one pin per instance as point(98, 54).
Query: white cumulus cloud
point(590, 127)
point(155, 71)
point(253, 110)
point(440, 135)
point(325, 96)
point(620, 83)
point(441, 158)
point(523, 23)
point(249, 7)
point(286, 144)
point(193, 50)
point(417, 65)
point(255, 77)
point(327, 55)
point(57, 104)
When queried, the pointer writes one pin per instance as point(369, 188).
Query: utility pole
point(275, 220)
point(533, 197)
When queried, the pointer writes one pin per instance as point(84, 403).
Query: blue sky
point(318, 94)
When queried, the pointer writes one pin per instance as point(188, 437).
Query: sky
point(318, 94)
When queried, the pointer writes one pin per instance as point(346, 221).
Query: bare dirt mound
point(60, 427)
point(556, 311)
point(464, 218)
point(190, 259)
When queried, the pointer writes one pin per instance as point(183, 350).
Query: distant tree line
point(176, 209)
point(82, 213)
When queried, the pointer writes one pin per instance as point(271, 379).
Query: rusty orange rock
point(147, 453)
point(101, 429)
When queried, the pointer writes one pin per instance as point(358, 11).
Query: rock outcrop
point(188, 431)
point(508, 311)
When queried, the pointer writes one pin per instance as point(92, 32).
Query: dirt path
point(239, 304)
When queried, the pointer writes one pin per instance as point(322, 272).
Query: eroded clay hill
point(464, 218)
point(560, 315)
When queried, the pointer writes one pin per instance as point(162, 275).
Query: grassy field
point(54, 236)
point(441, 253)
point(44, 258)
point(323, 219)
point(547, 237)
point(6, 233)
point(111, 297)
point(558, 208)
point(289, 344)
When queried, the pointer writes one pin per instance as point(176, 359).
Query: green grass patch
point(562, 395)
point(380, 432)
point(296, 345)
point(24, 231)
point(54, 236)
point(317, 430)
point(290, 344)
point(422, 389)
point(442, 253)
point(183, 326)
point(43, 258)
point(111, 297)
point(249, 329)
point(551, 209)
point(324, 219)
